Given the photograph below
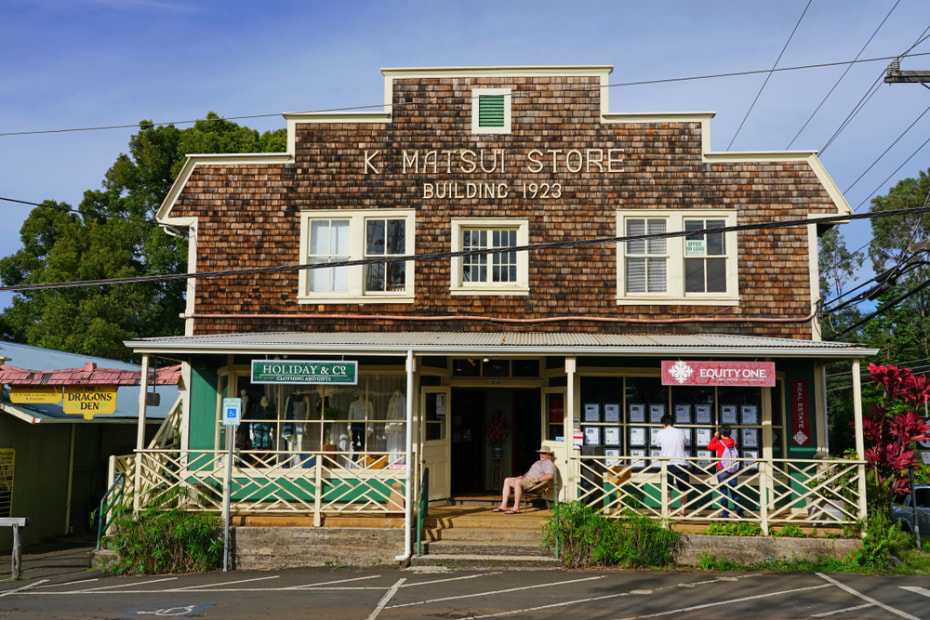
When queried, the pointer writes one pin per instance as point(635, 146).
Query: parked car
point(904, 513)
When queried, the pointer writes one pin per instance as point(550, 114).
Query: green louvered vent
point(491, 111)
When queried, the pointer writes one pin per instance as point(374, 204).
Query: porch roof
point(499, 343)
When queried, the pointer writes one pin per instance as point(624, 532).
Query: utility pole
point(896, 76)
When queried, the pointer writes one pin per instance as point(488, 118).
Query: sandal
point(498, 510)
point(512, 512)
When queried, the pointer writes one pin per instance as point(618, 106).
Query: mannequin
point(263, 429)
point(298, 406)
point(360, 411)
point(243, 432)
point(396, 414)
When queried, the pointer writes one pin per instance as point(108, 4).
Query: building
point(497, 241)
point(54, 464)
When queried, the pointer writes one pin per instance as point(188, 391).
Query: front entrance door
point(434, 430)
point(475, 469)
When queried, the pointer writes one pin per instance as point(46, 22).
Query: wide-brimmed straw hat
point(544, 450)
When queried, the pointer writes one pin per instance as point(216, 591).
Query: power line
point(885, 152)
point(871, 92)
point(893, 173)
point(843, 75)
point(445, 255)
point(78, 211)
point(381, 106)
point(769, 75)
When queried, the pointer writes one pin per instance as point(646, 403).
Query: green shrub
point(884, 541)
point(734, 528)
point(166, 541)
point(789, 531)
point(588, 538)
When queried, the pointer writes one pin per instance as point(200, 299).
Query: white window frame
point(675, 247)
point(476, 93)
point(520, 287)
point(356, 273)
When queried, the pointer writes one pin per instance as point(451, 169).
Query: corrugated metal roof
point(516, 343)
point(47, 360)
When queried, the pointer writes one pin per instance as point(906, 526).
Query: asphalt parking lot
point(59, 585)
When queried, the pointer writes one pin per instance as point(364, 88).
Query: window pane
point(319, 278)
point(340, 238)
point(340, 278)
point(396, 237)
point(635, 228)
point(656, 227)
point(374, 237)
point(319, 237)
point(658, 268)
point(374, 277)
point(692, 225)
point(715, 241)
point(694, 275)
point(716, 275)
point(636, 275)
point(396, 276)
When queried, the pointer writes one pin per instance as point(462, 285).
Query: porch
point(333, 489)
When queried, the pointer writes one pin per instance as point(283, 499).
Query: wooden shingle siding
point(248, 216)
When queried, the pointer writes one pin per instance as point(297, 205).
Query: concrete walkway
point(64, 559)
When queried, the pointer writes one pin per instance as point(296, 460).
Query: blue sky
point(73, 64)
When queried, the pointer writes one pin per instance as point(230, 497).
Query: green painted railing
point(422, 508)
point(110, 506)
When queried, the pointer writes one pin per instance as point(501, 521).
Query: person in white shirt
point(674, 443)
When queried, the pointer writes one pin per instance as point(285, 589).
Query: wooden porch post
point(860, 440)
point(140, 435)
point(408, 446)
point(569, 421)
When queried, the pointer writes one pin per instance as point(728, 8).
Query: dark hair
point(725, 430)
point(667, 420)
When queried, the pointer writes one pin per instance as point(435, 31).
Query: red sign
point(800, 412)
point(744, 374)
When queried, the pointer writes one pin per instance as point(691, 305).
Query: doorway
point(472, 460)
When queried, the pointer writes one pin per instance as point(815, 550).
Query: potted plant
point(497, 430)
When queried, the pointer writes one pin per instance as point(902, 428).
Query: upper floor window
point(490, 110)
point(344, 235)
point(699, 268)
point(503, 272)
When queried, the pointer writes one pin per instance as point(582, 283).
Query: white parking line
point(868, 599)
point(387, 597)
point(483, 594)
point(310, 586)
point(25, 587)
point(228, 583)
point(728, 601)
point(842, 611)
point(916, 590)
point(123, 585)
point(429, 583)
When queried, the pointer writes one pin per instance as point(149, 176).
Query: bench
point(16, 523)
point(540, 490)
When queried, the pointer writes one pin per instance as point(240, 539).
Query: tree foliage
point(113, 235)
point(904, 332)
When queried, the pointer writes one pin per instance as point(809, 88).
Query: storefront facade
point(496, 245)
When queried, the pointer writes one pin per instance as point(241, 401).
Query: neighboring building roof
point(28, 363)
point(501, 343)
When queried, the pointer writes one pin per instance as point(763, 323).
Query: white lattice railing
point(824, 492)
point(265, 482)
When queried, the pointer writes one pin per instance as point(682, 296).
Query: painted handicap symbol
point(157, 610)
